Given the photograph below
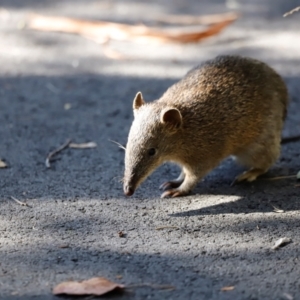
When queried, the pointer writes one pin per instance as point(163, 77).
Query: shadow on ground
point(197, 270)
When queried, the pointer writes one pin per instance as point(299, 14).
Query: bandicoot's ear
point(171, 117)
point(138, 101)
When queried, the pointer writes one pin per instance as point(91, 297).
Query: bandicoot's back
point(227, 106)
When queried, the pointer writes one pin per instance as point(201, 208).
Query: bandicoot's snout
point(128, 190)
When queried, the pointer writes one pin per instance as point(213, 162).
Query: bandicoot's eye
point(151, 151)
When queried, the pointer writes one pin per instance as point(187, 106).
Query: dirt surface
point(218, 236)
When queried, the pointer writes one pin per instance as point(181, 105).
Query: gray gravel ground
point(221, 235)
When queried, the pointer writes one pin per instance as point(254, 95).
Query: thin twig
point(121, 146)
point(3, 164)
point(166, 227)
point(83, 145)
point(277, 209)
point(54, 152)
point(291, 11)
point(154, 286)
point(90, 297)
point(279, 177)
point(20, 202)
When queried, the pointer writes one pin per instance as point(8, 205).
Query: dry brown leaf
point(95, 286)
point(83, 145)
point(3, 164)
point(190, 19)
point(101, 31)
point(227, 288)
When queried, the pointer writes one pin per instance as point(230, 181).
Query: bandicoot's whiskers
point(121, 146)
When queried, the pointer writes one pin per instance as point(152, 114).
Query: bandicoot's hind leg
point(173, 183)
point(259, 157)
point(249, 175)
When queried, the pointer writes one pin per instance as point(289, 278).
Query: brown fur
point(227, 106)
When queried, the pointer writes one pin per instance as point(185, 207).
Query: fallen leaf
point(95, 286)
point(281, 242)
point(101, 31)
point(83, 145)
point(190, 19)
point(3, 164)
point(227, 288)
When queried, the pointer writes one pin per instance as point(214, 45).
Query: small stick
point(20, 202)
point(291, 11)
point(279, 177)
point(277, 209)
point(54, 152)
point(166, 227)
point(154, 286)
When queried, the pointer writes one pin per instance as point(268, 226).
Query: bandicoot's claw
point(169, 185)
point(166, 186)
point(234, 182)
point(172, 194)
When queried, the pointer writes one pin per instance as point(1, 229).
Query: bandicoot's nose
point(128, 190)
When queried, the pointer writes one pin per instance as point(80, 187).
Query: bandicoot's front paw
point(174, 193)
